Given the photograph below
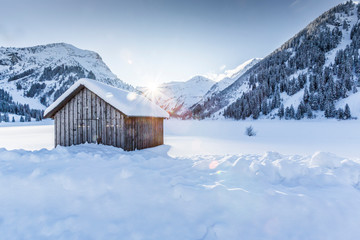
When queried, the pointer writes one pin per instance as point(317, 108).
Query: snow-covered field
point(304, 137)
point(209, 181)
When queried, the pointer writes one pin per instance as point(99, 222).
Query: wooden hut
point(93, 112)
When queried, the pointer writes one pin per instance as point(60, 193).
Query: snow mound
point(101, 192)
point(325, 160)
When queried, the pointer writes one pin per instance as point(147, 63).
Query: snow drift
point(100, 192)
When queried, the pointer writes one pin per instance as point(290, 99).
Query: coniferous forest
point(314, 64)
point(7, 105)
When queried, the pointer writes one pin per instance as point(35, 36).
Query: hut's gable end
point(88, 118)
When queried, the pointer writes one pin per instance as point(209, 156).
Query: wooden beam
point(75, 123)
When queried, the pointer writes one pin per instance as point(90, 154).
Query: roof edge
point(50, 112)
point(89, 84)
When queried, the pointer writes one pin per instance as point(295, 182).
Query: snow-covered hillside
point(178, 97)
point(38, 75)
point(317, 70)
point(230, 76)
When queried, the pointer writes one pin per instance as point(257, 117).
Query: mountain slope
point(38, 75)
point(230, 76)
point(306, 76)
point(178, 97)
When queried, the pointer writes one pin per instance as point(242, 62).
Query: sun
point(153, 88)
point(152, 91)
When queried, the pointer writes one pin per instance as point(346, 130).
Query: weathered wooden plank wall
point(62, 127)
point(57, 129)
point(75, 122)
point(87, 118)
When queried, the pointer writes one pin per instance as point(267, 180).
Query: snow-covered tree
point(347, 113)
point(309, 112)
point(281, 111)
point(340, 114)
point(6, 117)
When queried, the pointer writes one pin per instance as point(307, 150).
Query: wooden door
point(90, 129)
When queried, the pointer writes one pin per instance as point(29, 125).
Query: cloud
point(222, 67)
point(294, 3)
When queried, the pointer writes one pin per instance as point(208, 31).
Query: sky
point(153, 41)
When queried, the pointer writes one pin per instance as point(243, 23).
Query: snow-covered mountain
point(230, 76)
point(178, 97)
point(315, 73)
point(38, 75)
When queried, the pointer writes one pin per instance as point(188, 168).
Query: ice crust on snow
point(129, 103)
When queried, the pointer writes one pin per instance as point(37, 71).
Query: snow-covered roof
point(129, 103)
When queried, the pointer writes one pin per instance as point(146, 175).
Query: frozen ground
point(188, 138)
point(27, 135)
point(232, 189)
point(304, 137)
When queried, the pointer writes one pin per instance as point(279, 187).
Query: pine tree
point(281, 111)
point(292, 112)
point(264, 107)
point(13, 119)
point(6, 117)
point(302, 109)
point(287, 113)
point(340, 114)
point(256, 113)
point(22, 119)
point(28, 118)
point(312, 86)
point(354, 90)
point(309, 111)
point(91, 75)
point(298, 113)
point(330, 111)
point(347, 113)
point(306, 95)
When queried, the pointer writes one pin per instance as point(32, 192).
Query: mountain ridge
point(38, 75)
point(178, 97)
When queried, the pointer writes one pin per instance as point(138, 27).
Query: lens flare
point(153, 88)
point(213, 164)
point(152, 91)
